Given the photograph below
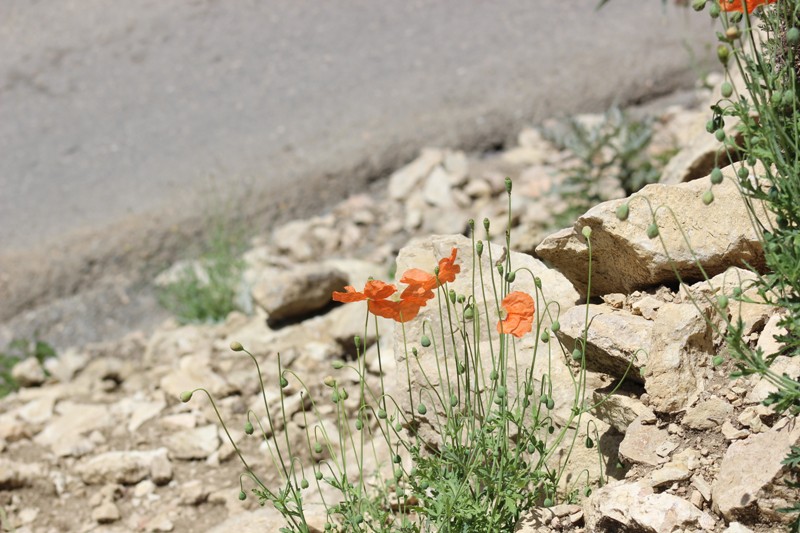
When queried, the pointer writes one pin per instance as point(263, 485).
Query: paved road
point(124, 124)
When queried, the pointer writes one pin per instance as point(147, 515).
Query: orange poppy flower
point(738, 5)
point(519, 308)
point(373, 290)
point(414, 277)
point(448, 269)
point(397, 310)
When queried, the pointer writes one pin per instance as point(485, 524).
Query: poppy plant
point(411, 300)
point(738, 5)
point(518, 307)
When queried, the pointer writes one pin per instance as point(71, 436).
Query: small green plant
point(206, 290)
point(609, 155)
point(19, 350)
point(471, 443)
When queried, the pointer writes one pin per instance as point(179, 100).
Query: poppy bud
point(237, 346)
point(508, 185)
point(555, 326)
point(708, 197)
point(710, 126)
point(421, 409)
point(500, 269)
point(737, 292)
point(398, 426)
point(538, 282)
point(186, 395)
point(550, 403)
point(548, 502)
point(587, 491)
point(452, 295)
point(471, 223)
point(623, 211)
point(304, 483)
point(284, 382)
point(469, 314)
point(793, 36)
point(486, 224)
point(317, 447)
point(723, 54)
point(732, 33)
point(722, 301)
point(460, 368)
point(726, 89)
point(453, 400)
point(414, 351)
point(248, 428)
point(713, 11)
point(716, 176)
point(425, 341)
point(479, 248)
point(545, 336)
point(242, 495)
point(493, 375)
point(698, 5)
point(382, 414)
point(577, 355)
point(359, 424)
point(461, 299)
point(652, 231)
point(720, 135)
point(589, 442)
point(586, 232)
point(718, 360)
point(357, 341)
point(329, 381)
point(337, 364)
point(318, 475)
point(511, 276)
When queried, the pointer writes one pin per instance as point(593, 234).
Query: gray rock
point(634, 507)
point(614, 339)
point(750, 476)
point(640, 444)
point(126, 467)
point(105, 513)
point(404, 180)
point(195, 443)
point(65, 435)
point(28, 373)
point(15, 475)
point(682, 341)
point(625, 259)
point(296, 293)
point(437, 191)
point(619, 410)
point(707, 414)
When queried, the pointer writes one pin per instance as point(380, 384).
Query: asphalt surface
point(124, 126)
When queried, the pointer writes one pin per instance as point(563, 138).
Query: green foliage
point(207, 292)
point(19, 350)
point(610, 154)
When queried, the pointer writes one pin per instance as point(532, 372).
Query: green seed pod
point(711, 126)
point(359, 519)
point(548, 502)
point(723, 54)
point(720, 135)
point(545, 337)
point(414, 351)
point(460, 368)
point(304, 483)
point(722, 301)
point(718, 360)
point(737, 292)
point(577, 355)
point(424, 485)
point(726, 90)
point(555, 326)
point(743, 172)
point(471, 223)
point(550, 403)
point(713, 11)
point(776, 97)
point(338, 365)
point(359, 424)
point(708, 197)
point(498, 400)
point(526, 402)
point(511, 276)
point(453, 400)
point(452, 295)
point(793, 36)
point(587, 232)
point(508, 185)
point(344, 394)
point(396, 459)
point(425, 341)
point(698, 5)
point(237, 346)
point(543, 399)
point(493, 375)
point(788, 99)
point(531, 448)
point(479, 248)
point(461, 299)
point(486, 224)
point(551, 429)
point(382, 414)
point(317, 447)
point(398, 426)
point(528, 390)
point(589, 443)
point(716, 176)
point(751, 161)
point(469, 314)
point(335, 397)
point(538, 282)
point(284, 382)
point(421, 409)
point(242, 495)
point(501, 391)
point(318, 475)
point(328, 526)
point(623, 211)
point(588, 490)
point(186, 395)
point(500, 269)
point(248, 428)
point(652, 231)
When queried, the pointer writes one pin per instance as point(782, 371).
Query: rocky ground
point(102, 442)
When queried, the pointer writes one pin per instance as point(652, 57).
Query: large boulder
point(624, 259)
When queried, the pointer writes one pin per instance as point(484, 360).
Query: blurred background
point(128, 129)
